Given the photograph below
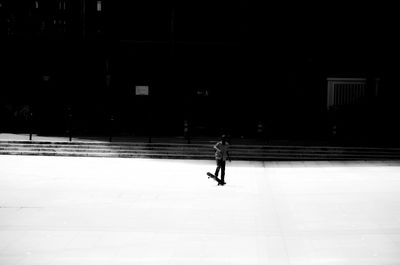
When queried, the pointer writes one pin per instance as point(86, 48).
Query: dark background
point(223, 66)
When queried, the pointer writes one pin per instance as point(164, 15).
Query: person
point(221, 154)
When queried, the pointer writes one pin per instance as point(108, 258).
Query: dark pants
point(220, 165)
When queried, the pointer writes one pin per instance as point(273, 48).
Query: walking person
point(221, 154)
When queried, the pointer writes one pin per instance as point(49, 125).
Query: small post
point(70, 124)
point(31, 125)
point(149, 120)
point(260, 129)
point(149, 128)
point(186, 130)
point(334, 131)
point(111, 128)
point(150, 137)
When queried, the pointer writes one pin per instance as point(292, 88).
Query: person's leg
point(218, 167)
point(223, 171)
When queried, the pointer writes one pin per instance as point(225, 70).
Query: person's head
point(224, 138)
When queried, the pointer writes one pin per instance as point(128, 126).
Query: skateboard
point(215, 178)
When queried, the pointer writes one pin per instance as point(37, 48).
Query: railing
point(345, 91)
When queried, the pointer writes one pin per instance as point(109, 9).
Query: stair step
point(196, 156)
point(188, 151)
point(195, 151)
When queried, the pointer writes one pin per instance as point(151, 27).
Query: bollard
point(31, 125)
point(260, 128)
point(334, 130)
point(111, 128)
point(70, 125)
point(186, 130)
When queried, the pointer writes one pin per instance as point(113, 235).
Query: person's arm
point(216, 147)
point(229, 157)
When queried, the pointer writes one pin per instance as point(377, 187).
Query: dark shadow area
point(256, 72)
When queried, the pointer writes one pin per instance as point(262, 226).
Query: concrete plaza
point(68, 210)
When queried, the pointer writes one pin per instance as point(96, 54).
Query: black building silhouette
point(223, 67)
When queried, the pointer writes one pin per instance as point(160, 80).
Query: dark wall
point(257, 63)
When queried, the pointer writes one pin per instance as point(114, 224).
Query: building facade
point(219, 67)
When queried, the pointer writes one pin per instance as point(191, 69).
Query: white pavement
point(64, 210)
